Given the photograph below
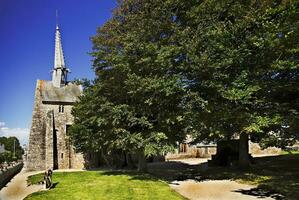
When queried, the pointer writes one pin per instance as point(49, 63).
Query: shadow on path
point(261, 193)
point(275, 176)
point(176, 170)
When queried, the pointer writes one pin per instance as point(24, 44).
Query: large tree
point(243, 54)
point(137, 102)
point(213, 69)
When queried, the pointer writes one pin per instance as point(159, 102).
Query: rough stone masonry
point(49, 144)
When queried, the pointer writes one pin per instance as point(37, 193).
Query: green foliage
point(136, 103)
point(7, 157)
point(212, 69)
point(10, 143)
point(241, 58)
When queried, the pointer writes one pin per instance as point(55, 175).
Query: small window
point(61, 155)
point(61, 109)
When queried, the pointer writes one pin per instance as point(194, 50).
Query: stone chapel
point(49, 144)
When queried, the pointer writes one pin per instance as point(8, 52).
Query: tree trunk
point(130, 162)
point(125, 163)
point(243, 151)
point(142, 165)
point(107, 162)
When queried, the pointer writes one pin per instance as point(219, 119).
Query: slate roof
point(53, 95)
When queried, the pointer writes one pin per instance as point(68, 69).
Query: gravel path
point(17, 188)
point(214, 190)
point(181, 182)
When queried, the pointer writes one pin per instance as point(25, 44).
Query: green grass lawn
point(277, 174)
point(103, 185)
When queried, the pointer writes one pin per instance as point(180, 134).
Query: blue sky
point(27, 29)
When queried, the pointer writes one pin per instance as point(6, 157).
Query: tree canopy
point(212, 69)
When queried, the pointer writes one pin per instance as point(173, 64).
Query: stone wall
point(8, 173)
point(192, 151)
point(255, 149)
point(66, 155)
point(206, 151)
point(47, 120)
point(37, 151)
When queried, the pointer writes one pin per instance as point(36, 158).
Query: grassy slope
point(104, 185)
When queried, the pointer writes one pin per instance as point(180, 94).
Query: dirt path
point(17, 188)
point(214, 190)
point(177, 172)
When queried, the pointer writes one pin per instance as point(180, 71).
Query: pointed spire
point(59, 58)
point(59, 76)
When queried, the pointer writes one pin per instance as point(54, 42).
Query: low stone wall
point(8, 173)
point(255, 150)
point(206, 151)
point(193, 152)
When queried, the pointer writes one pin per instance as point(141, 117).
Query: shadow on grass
point(54, 185)
point(132, 174)
point(272, 174)
point(275, 176)
point(176, 171)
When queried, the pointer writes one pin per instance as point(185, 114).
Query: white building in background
point(2, 148)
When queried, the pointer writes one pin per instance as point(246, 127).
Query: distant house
point(2, 148)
